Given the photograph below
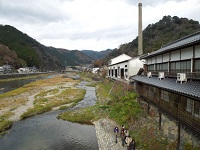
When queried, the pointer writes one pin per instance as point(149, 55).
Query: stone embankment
point(105, 135)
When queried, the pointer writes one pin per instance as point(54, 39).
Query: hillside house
point(170, 89)
point(124, 66)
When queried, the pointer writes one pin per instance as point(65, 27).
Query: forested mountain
point(70, 58)
point(7, 55)
point(95, 54)
point(32, 53)
point(156, 35)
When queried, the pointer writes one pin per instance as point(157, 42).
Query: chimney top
point(140, 4)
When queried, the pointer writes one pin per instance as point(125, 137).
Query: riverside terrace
point(170, 83)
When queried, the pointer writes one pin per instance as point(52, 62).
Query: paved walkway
point(105, 135)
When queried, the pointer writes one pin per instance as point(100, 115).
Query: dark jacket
point(132, 146)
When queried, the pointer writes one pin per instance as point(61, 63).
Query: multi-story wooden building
point(170, 85)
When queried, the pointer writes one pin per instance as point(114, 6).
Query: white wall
point(119, 59)
point(159, 59)
point(197, 51)
point(166, 57)
point(134, 66)
point(175, 55)
point(187, 53)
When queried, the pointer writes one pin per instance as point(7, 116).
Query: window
point(162, 67)
point(150, 68)
point(152, 91)
point(118, 71)
point(172, 65)
point(185, 66)
point(197, 65)
point(173, 98)
point(178, 66)
point(197, 109)
point(125, 65)
point(165, 95)
point(189, 107)
point(165, 67)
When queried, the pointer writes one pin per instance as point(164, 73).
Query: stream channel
point(46, 132)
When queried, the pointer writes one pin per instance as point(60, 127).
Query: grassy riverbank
point(38, 97)
point(5, 124)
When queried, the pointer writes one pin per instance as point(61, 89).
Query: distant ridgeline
point(155, 35)
point(19, 50)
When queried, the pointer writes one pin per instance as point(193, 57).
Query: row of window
point(181, 66)
point(188, 105)
point(177, 103)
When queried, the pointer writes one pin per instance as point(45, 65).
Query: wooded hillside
point(155, 35)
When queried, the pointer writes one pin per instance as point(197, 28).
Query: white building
point(124, 66)
point(95, 70)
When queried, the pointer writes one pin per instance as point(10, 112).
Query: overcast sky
point(89, 24)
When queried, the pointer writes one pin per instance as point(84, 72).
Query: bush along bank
point(5, 124)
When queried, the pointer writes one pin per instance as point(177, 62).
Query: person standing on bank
point(132, 145)
point(122, 134)
point(128, 140)
point(126, 132)
point(116, 131)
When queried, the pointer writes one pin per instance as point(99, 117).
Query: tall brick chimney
point(140, 40)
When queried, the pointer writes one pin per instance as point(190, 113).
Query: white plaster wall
point(153, 60)
point(149, 61)
point(175, 55)
point(187, 53)
point(119, 59)
point(159, 59)
point(197, 51)
point(166, 57)
point(134, 66)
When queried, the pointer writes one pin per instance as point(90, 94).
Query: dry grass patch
point(43, 104)
point(46, 93)
point(66, 96)
point(12, 103)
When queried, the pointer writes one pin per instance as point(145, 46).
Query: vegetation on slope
point(155, 35)
point(7, 55)
point(20, 43)
point(35, 54)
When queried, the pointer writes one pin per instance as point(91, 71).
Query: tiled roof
point(190, 88)
point(183, 42)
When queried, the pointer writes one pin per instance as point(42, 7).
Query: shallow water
point(11, 85)
point(46, 132)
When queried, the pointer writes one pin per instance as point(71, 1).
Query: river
point(46, 132)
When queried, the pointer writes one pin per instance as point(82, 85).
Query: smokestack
point(140, 49)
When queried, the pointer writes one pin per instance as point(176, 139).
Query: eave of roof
point(180, 43)
point(190, 88)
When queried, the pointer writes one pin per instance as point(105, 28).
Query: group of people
point(125, 137)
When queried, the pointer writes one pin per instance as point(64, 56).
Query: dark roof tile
point(190, 88)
